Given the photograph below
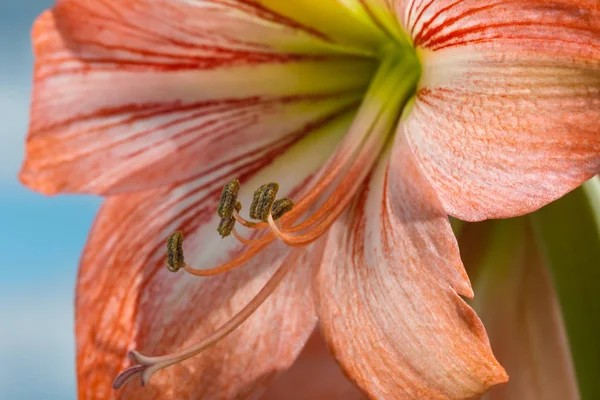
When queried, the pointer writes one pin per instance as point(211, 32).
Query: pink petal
point(314, 376)
point(518, 304)
point(389, 294)
point(126, 298)
point(505, 118)
point(119, 107)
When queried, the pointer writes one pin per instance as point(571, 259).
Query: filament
point(228, 266)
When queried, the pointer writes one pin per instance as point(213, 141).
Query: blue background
point(41, 238)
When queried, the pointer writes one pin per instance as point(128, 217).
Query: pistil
point(147, 366)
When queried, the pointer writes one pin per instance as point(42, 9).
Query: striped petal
point(505, 119)
point(119, 107)
point(127, 299)
point(389, 294)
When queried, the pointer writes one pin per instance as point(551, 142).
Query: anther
point(281, 207)
point(228, 200)
point(226, 226)
point(175, 259)
point(263, 200)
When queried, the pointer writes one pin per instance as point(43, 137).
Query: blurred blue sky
point(40, 239)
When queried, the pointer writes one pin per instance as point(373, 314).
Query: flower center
point(330, 193)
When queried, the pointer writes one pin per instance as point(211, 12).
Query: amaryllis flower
point(376, 118)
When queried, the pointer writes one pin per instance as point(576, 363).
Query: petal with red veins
point(519, 306)
point(314, 376)
point(119, 107)
point(126, 298)
point(505, 117)
point(389, 294)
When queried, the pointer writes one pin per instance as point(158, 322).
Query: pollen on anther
point(226, 226)
point(263, 200)
point(281, 207)
point(175, 260)
point(228, 201)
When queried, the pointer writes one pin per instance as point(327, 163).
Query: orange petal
point(314, 376)
point(119, 107)
point(505, 118)
point(517, 302)
point(389, 294)
point(126, 298)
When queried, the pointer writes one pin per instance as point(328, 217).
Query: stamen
point(228, 202)
point(175, 259)
point(352, 161)
point(147, 366)
point(263, 200)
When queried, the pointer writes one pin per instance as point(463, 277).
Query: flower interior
point(386, 69)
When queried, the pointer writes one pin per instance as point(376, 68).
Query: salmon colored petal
point(126, 298)
point(119, 107)
point(389, 294)
point(505, 118)
point(519, 306)
point(314, 376)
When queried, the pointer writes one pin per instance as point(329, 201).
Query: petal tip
point(35, 183)
point(498, 378)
